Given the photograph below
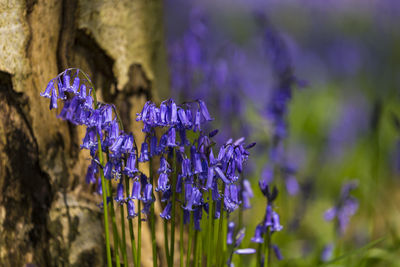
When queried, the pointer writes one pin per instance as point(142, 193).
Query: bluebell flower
point(48, 90)
point(179, 182)
point(91, 173)
point(130, 168)
point(163, 182)
point(153, 146)
point(90, 139)
point(197, 215)
point(166, 195)
point(75, 85)
point(108, 170)
point(183, 118)
point(171, 140)
point(120, 194)
point(82, 93)
point(136, 189)
point(166, 214)
point(116, 146)
point(197, 122)
point(277, 252)
point(99, 188)
point(346, 207)
point(53, 99)
point(147, 193)
point(204, 111)
point(229, 236)
point(164, 165)
point(127, 146)
point(131, 209)
point(144, 153)
point(258, 234)
point(327, 252)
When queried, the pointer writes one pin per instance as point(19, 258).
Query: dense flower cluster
point(197, 169)
point(270, 223)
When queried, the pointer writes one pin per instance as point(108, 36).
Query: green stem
point(199, 255)
point(124, 254)
point(210, 228)
point(114, 225)
point(267, 242)
point(166, 245)
point(103, 186)
point(139, 242)
point(196, 236)
point(152, 219)
point(181, 229)
point(221, 233)
point(131, 232)
point(190, 241)
point(173, 183)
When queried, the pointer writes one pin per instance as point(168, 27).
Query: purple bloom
point(131, 210)
point(147, 193)
point(258, 235)
point(166, 214)
point(120, 194)
point(229, 237)
point(82, 93)
point(130, 168)
point(204, 111)
point(164, 165)
point(327, 252)
point(144, 153)
point(91, 173)
point(277, 252)
point(197, 215)
point(116, 146)
point(171, 140)
point(53, 99)
point(128, 144)
point(48, 90)
point(108, 170)
point(136, 190)
point(345, 209)
point(163, 182)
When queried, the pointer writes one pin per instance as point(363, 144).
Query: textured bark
point(48, 215)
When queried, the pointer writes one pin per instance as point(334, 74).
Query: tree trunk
point(48, 215)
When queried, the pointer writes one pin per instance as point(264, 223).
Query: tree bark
point(48, 215)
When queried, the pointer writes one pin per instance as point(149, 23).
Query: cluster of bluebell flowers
point(190, 176)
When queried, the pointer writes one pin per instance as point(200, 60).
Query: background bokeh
point(316, 85)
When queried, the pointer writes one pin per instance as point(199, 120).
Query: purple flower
point(130, 168)
point(53, 99)
point(120, 194)
point(131, 210)
point(136, 190)
point(277, 252)
point(258, 235)
point(147, 193)
point(166, 214)
point(163, 182)
point(144, 153)
point(327, 252)
point(345, 209)
point(229, 237)
point(48, 90)
point(164, 165)
point(91, 173)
